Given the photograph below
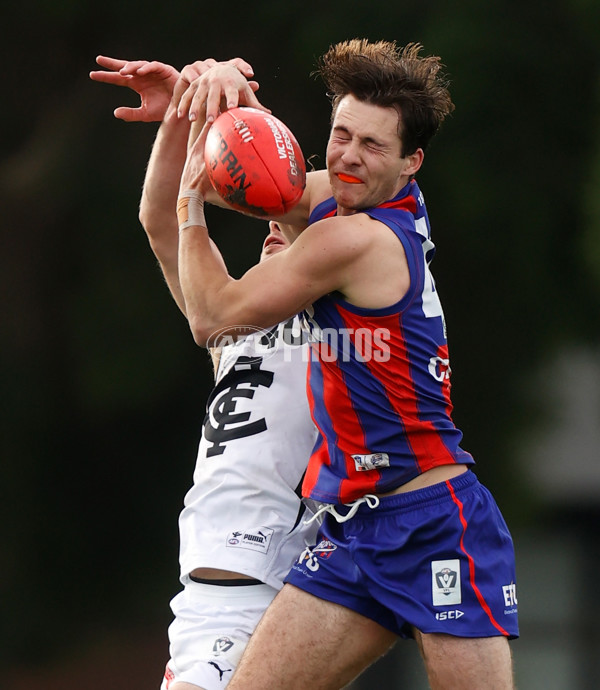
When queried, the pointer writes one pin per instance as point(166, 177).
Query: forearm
point(158, 205)
point(218, 305)
point(202, 271)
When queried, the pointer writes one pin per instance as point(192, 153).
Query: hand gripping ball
point(254, 162)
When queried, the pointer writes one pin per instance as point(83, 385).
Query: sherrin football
point(254, 162)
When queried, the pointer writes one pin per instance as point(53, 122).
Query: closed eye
point(375, 145)
point(341, 137)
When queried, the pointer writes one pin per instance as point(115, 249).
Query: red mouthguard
point(350, 179)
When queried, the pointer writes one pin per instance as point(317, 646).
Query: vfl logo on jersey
point(223, 423)
point(222, 645)
point(445, 582)
point(255, 540)
point(309, 557)
point(371, 461)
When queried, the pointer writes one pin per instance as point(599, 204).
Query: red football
point(254, 162)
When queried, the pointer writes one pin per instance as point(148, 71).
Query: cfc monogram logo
point(223, 422)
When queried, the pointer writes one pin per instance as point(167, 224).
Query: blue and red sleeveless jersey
point(379, 379)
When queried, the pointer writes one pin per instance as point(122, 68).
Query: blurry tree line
point(103, 389)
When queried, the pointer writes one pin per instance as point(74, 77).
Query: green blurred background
point(103, 390)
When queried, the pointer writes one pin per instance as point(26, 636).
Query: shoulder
point(356, 231)
point(359, 250)
point(347, 249)
point(334, 238)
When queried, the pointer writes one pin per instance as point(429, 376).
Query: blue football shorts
point(440, 559)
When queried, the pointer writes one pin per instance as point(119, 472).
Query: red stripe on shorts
point(482, 601)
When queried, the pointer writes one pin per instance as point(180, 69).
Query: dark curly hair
point(387, 75)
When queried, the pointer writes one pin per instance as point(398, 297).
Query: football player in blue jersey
point(411, 545)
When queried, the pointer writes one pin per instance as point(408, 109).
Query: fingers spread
point(244, 67)
point(193, 99)
point(133, 66)
point(110, 63)
point(206, 87)
point(109, 77)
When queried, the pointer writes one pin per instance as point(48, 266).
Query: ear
point(414, 162)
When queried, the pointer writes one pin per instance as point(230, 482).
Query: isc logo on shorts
point(445, 582)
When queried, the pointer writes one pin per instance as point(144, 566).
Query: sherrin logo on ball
point(254, 162)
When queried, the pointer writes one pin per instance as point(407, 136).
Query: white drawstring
point(370, 499)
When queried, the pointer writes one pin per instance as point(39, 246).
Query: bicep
point(317, 263)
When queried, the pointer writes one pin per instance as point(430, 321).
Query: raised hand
point(215, 87)
point(153, 81)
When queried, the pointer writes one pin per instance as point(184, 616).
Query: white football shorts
point(211, 629)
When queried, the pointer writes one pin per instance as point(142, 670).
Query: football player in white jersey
point(243, 521)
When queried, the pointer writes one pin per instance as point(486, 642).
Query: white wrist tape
point(190, 209)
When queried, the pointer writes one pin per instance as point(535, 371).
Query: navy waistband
point(419, 497)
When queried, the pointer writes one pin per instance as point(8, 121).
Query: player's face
point(364, 155)
point(274, 242)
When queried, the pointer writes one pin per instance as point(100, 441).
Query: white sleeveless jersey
point(244, 512)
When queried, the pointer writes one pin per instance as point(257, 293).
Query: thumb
point(128, 114)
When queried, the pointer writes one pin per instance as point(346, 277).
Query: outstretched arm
point(158, 203)
point(156, 82)
point(158, 206)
